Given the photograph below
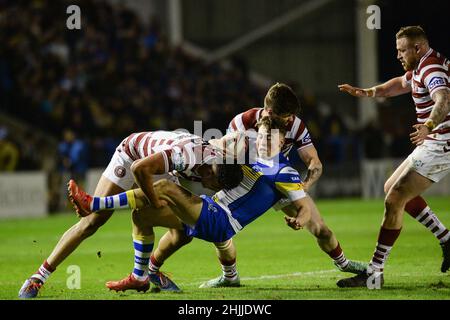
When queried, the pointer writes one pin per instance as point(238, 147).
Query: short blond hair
point(412, 33)
point(272, 123)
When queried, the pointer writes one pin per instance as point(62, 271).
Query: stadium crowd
point(92, 87)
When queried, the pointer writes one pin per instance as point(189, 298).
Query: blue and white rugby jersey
point(265, 182)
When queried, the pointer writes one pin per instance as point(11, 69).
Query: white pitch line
point(278, 276)
point(295, 274)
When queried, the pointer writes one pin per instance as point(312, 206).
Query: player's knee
point(141, 220)
point(318, 228)
point(393, 200)
point(324, 233)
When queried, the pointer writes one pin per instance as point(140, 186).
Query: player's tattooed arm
point(441, 106)
point(314, 173)
point(440, 110)
point(311, 159)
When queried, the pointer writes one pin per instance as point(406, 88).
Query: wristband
point(371, 91)
point(430, 124)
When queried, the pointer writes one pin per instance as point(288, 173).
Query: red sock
point(415, 206)
point(154, 265)
point(386, 240)
point(338, 256)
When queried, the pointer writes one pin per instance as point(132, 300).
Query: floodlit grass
point(274, 261)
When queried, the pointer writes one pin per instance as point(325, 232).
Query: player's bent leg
point(70, 240)
point(329, 244)
point(226, 252)
point(143, 239)
point(401, 170)
point(162, 217)
point(185, 205)
point(418, 208)
point(408, 186)
point(169, 243)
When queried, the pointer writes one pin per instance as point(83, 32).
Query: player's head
point(231, 148)
point(229, 176)
point(412, 44)
point(271, 134)
point(221, 176)
point(281, 101)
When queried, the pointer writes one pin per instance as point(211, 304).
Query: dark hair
point(229, 175)
point(412, 33)
point(272, 122)
point(282, 100)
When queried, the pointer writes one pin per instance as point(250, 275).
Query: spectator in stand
point(9, 153)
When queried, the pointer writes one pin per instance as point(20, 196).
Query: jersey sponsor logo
point(120, 171)
point(307, 138)
point(178, 161)
point(447, 149)
point(212, 208)
point(436, 82)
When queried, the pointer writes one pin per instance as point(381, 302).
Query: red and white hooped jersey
point(297, 134)
point(432, 74)
point(182, 151)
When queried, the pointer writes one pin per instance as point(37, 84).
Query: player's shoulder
point(284, 166)
point(287, 174)
point(246, 120)
point(287, 169)
point(433, 59)
point(250, 113)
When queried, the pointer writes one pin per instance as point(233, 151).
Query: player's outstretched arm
point(391, 88)
point(355, 91)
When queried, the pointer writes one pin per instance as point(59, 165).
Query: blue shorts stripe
point(96, 204)
point(123, 200)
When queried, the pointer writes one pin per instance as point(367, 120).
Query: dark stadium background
point(126, 77)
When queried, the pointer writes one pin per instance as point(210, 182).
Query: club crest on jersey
point(120, 171)
point(307, 138)
point(178, 161)
point(436, 82)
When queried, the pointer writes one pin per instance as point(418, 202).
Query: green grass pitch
point(274, 261)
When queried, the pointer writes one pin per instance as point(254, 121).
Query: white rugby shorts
point(431, 159)
point(119, 172)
